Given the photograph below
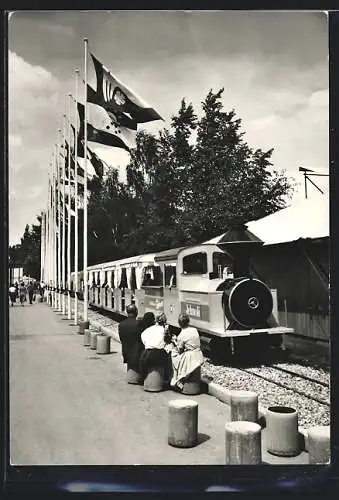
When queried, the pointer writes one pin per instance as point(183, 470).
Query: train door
point(154, 290)
point(171, 302)
point(193, 283)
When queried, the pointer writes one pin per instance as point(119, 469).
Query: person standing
point(30, 290)
point(129, 335)
point(42, 291)
point(12, 294)
point(22, 293)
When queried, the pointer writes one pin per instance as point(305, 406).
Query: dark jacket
point(130, 338)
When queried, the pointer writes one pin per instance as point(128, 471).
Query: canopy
point(309, 218)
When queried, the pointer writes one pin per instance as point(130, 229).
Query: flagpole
point(69, 312)
point(54, 235)
point(76, 220)
point(50, 229)
point(85, 318)
point(42, 245)
point(63, 256)
point(48, 246)
point(58, 233)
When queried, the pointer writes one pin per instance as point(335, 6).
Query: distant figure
point(187, 355)
point(129, 335)
point(22, 293)
point(154, 354)
point(42, 291)
point(12, 294)
point(30, 290)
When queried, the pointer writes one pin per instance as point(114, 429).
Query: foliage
point(27, 253)
point(183, 186)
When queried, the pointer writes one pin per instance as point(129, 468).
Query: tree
point(28, 253)
point(228, 181)
point(185, 185)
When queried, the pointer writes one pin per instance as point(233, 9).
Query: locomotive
point(211, 282)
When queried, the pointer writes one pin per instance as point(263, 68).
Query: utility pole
point(307, 174)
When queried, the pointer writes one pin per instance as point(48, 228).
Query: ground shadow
point(202, 438)
point(27, 336)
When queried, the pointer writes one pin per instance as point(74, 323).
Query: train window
point(153, 276)
point(98, 278)
point(170, 276)
point(195, 263)
point(222, 265)
point(123, 280)
point(105, 280)
point(133, 279)
point(112, 279)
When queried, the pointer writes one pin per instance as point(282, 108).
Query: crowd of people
point(22, 291)
point(147, 343)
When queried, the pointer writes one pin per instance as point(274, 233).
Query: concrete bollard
point(83, 325)
point(192, 384)
point(87, 337)
point(319, 444)
point(282, 435)
point(93, 340)
point(154, 381)
point(133, 377)
point(243, 443)
point(183, 423)
point(244, 406)
point(103, 344)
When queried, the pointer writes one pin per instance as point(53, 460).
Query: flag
point(113, 95)
point(80, 169)
point(97, 163)
point(100, 128)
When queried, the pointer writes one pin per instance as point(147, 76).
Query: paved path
point(70, 406)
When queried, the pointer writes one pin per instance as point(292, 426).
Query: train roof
point(167, 254)
point(128, 261)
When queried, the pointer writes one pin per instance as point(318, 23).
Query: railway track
point(267, 378)
point(300, 375)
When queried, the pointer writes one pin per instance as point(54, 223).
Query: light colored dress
point(187, 355)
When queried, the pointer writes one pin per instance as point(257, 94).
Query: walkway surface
point(70, 406)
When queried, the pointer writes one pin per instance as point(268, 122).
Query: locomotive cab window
point(170, 276)
point(195, 263)
point(222, 266)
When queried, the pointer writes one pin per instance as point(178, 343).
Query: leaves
point(184, 186)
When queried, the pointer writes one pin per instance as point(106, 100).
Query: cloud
point(273, 66)
point(33, 98)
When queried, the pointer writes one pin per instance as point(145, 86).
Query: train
point(214, 284)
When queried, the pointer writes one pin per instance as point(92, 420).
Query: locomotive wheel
point(249, 302)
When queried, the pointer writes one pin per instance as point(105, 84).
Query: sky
point(272, 65)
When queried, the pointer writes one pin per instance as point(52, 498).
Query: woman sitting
point(186, 354)
point(145, 322)
point(154, 355)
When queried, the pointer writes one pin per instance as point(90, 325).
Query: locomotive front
point(227, 302)
point(247, 303)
